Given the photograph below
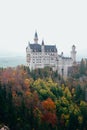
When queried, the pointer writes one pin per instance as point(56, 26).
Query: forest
point(42, 100)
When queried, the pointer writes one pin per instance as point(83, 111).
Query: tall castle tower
point(36, 38)
point(73, 53)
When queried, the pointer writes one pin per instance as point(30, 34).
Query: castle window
point(52, 50)
point(52, 58)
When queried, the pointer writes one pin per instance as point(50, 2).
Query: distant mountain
point(12, 61)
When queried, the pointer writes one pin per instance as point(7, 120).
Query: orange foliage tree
point(49, 112)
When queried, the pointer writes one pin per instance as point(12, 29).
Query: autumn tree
point(49, 113)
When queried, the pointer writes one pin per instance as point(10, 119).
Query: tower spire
point(43, 42)
point(35, 37)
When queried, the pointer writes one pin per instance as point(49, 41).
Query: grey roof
point(35, 47)
point(66, 58)
point(48, 48)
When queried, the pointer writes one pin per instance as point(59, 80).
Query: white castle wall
point(41, 59)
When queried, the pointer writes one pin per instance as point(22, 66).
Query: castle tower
point(42, 42)
point(61, 54)
point(42, 45)
point(36, 38)
point(43, 52)
point(73, 53)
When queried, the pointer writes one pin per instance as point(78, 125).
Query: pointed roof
point(35, 37)
point(43, 42)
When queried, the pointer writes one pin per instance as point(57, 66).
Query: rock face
point(4, 128)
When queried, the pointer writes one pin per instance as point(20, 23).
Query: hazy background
point(60, 22)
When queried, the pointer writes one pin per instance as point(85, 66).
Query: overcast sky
point(60, 22)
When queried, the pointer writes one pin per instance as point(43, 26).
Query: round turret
point(73, 47)
point(73, 53)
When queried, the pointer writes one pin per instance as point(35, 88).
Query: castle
point(41, 55)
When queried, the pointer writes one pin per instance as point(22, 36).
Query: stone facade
point(41, 55)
